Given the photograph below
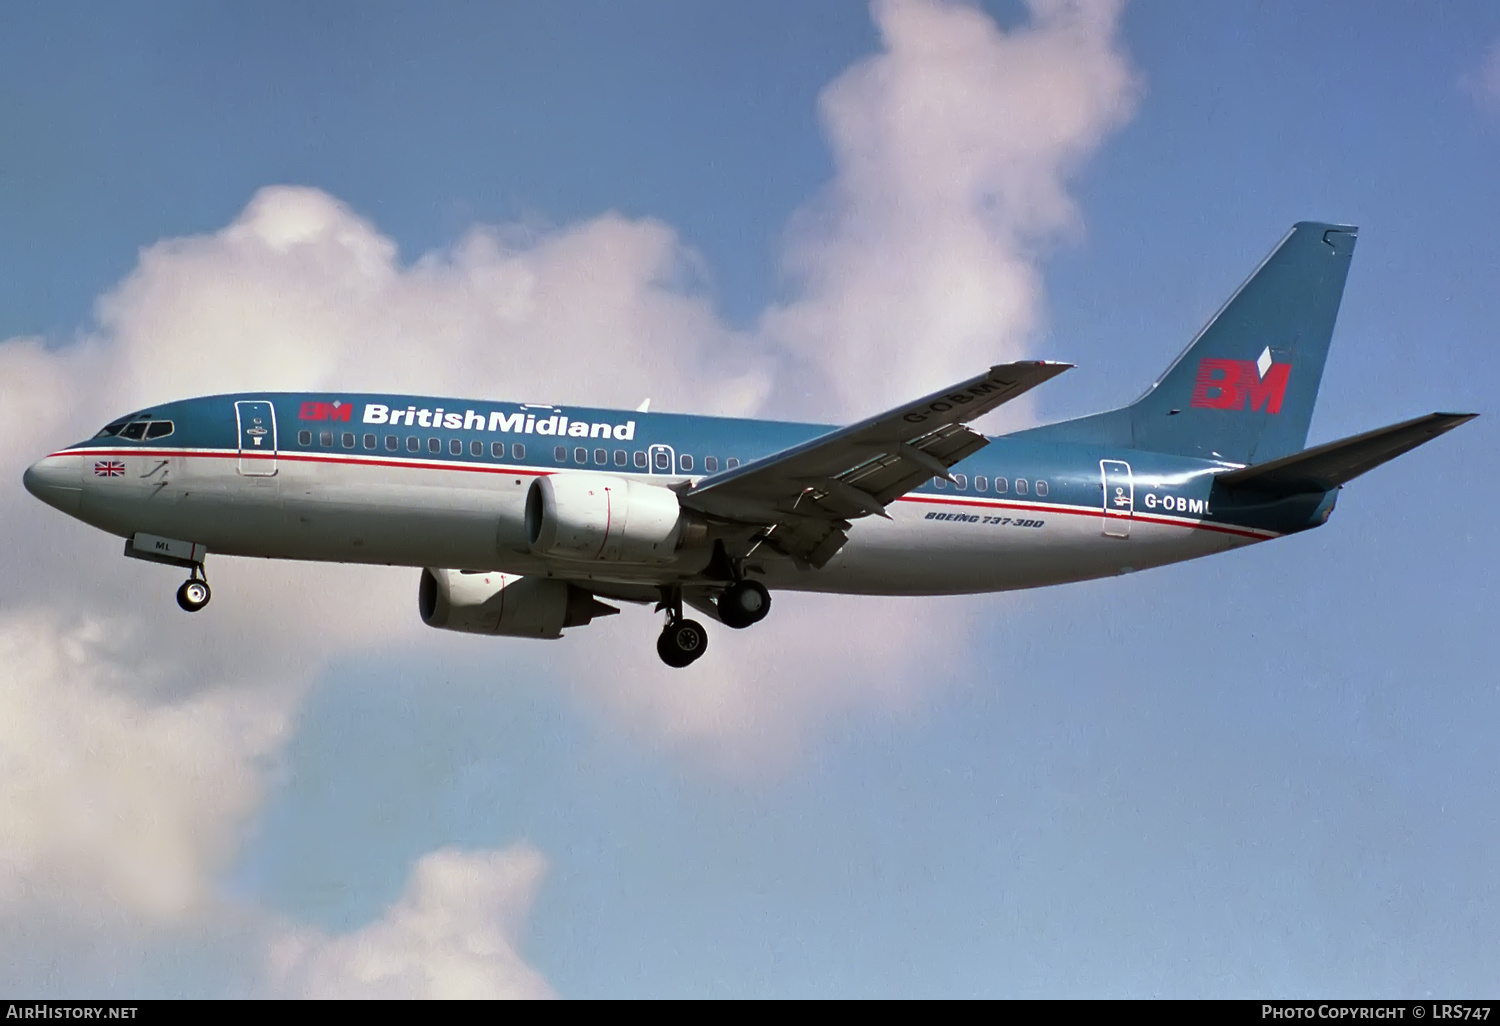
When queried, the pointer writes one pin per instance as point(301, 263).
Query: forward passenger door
point(256, 420)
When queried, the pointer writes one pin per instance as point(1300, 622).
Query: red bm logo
point(1234, 384)
point(335, 410)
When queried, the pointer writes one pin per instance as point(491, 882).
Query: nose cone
point(57, 481)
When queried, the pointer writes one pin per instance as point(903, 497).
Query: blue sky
point(1269, 772)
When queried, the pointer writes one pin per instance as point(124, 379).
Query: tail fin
point(1243, 390)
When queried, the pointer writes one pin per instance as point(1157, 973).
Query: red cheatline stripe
point(380, 461)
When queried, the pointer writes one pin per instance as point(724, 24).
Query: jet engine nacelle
point(603, 517)
point(496, 603)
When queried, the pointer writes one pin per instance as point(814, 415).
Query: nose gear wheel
point(194, 593)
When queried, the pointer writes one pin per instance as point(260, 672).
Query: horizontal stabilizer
point(1325, 467)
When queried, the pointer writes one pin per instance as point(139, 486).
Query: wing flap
point(894, 473)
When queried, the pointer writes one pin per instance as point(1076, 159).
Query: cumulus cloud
point(953, 147)
point(136, 740)
point(105, 795)
point(302, 293)
point(454, 933)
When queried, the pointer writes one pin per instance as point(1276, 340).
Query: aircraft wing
point(806, 495)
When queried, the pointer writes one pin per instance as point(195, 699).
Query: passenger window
point(601, 457)
point(560, 453)
point(1041, 488)
point(981, 484)
point(348, 439)
point(392, 443)
point(663, 461)
point(938, 482)
point(325, 439)
point(497, 450)
point(476, 448)
point(413, 443)
point(434, 445)
point(580, 455)
point(731, 463)
point(304, 438)
point(710, 463)
point(1001, 486)
point(621, 458)
point(369, 441)
point(640, 459)
point(518, 451)
point(686, 462)
point(159, 429)
point(961, 482)
point(455, 447)
point(1020, 486)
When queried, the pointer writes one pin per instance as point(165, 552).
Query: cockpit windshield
point(136, 428)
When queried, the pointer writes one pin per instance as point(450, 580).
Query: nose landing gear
point(194, 593)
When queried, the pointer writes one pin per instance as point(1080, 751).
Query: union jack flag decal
point(109, 468)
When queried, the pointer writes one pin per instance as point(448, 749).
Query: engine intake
point(496, 603)
point(603, 517)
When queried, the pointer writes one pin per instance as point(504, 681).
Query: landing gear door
point(256, 419)
point(1119, 498)
point(663, 459)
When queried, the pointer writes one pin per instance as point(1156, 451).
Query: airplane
point(527, 519)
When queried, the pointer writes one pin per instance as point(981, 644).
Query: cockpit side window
point(135, 430)
point(159, 429)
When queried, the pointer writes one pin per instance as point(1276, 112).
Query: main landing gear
point(683, 641)
point(194, 593)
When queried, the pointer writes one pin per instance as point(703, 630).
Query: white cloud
point(301, 293)
point(454, 933)
point(136, 739)
point(128, 803)
point(953, 148)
